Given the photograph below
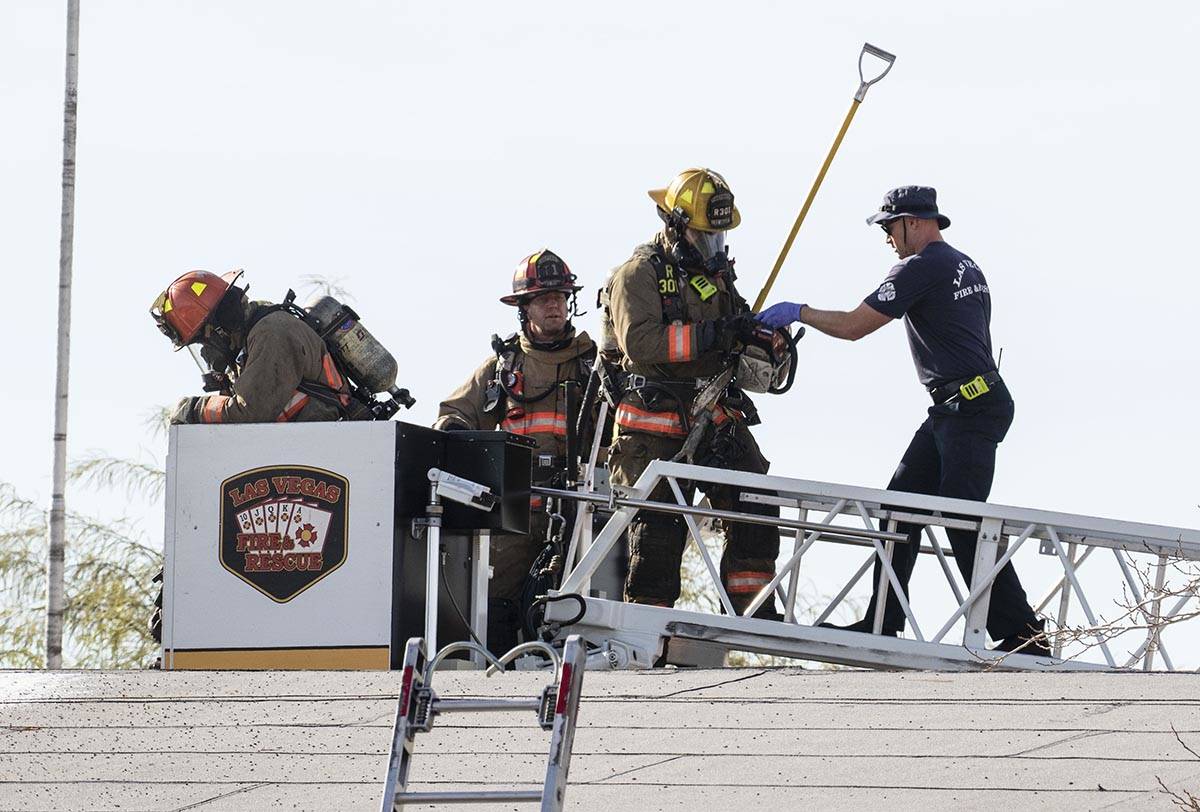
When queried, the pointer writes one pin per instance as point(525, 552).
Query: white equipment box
point(278, 547)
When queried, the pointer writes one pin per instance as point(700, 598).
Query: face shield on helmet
point(708, 244)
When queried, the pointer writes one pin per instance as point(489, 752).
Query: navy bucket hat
point(909, 201)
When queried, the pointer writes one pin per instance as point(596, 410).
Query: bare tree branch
point(317, 284)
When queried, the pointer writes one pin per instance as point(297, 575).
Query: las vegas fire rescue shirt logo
point(283, 528)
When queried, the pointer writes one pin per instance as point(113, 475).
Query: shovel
point(864, 84)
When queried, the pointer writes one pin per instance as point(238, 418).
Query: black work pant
point(953, 454)
point(657, 541)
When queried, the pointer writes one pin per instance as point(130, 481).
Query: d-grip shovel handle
point(864, 83)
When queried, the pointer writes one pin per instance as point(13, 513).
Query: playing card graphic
point(309, 534)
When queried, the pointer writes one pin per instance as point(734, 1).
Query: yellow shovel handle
point(863, 86)
point(812, 193)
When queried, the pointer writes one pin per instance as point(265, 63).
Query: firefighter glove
point(781, 315)
point(186, 411)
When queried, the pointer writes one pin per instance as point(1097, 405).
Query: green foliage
point(109, 569)
point(137, 480)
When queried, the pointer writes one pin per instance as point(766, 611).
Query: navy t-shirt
point(947, 309)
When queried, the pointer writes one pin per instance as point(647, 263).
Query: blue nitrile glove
point(780, 315)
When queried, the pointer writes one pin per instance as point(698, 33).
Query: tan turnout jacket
point(663, 351)
point(544, 420)
point(281, 351)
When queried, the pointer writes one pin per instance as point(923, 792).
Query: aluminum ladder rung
point(418, 707)
point(481, 797)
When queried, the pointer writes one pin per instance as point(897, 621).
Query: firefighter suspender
point(668, 288)
point(506, 384)
point(337, 397)
point(508, 367)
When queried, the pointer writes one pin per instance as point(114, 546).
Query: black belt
point(630, 381)
point(967, 388)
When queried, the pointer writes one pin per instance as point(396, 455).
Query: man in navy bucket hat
point(946, 305)
point(909, 201)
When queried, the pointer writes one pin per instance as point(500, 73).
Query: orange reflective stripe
point(739, 583)
point(332, 376)
point(631, 417)
point(723, 414)
point(537, 423)
point(679, 343)
point(299, 401)
point(214, 409)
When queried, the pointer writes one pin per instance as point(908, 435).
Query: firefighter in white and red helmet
point(519, 389)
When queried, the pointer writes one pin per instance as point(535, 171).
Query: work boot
point(863, 626)
point(1032, 642)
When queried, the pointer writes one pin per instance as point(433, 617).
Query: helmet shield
point(158, 312)
point(539, 273)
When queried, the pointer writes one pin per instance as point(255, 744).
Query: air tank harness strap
point(673, 309)
point(334, 391)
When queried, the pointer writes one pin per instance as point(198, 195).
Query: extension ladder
point(418, 708)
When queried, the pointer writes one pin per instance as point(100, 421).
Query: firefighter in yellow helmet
point(673, 316)
point(519, 389)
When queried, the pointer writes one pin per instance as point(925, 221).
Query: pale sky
point(415, 152)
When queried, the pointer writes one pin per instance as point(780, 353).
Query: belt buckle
point(634, 381)
point(974, 388)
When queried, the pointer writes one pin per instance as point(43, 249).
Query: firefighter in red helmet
point(266, 364)
point(519, 389)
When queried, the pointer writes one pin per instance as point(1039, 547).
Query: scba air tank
point(367, 362)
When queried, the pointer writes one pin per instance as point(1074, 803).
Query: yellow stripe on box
point(283, 659)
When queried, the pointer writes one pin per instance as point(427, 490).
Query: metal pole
point(433, 550)
point(1064, 605)
point(839, 533)
point(1156, 614)
point(55, 575)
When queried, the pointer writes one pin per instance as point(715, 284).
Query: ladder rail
point(1002, 530)
point(417, 708)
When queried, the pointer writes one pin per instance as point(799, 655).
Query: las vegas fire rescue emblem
point(283, 528)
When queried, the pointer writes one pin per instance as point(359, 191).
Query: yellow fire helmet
point(703, 196)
